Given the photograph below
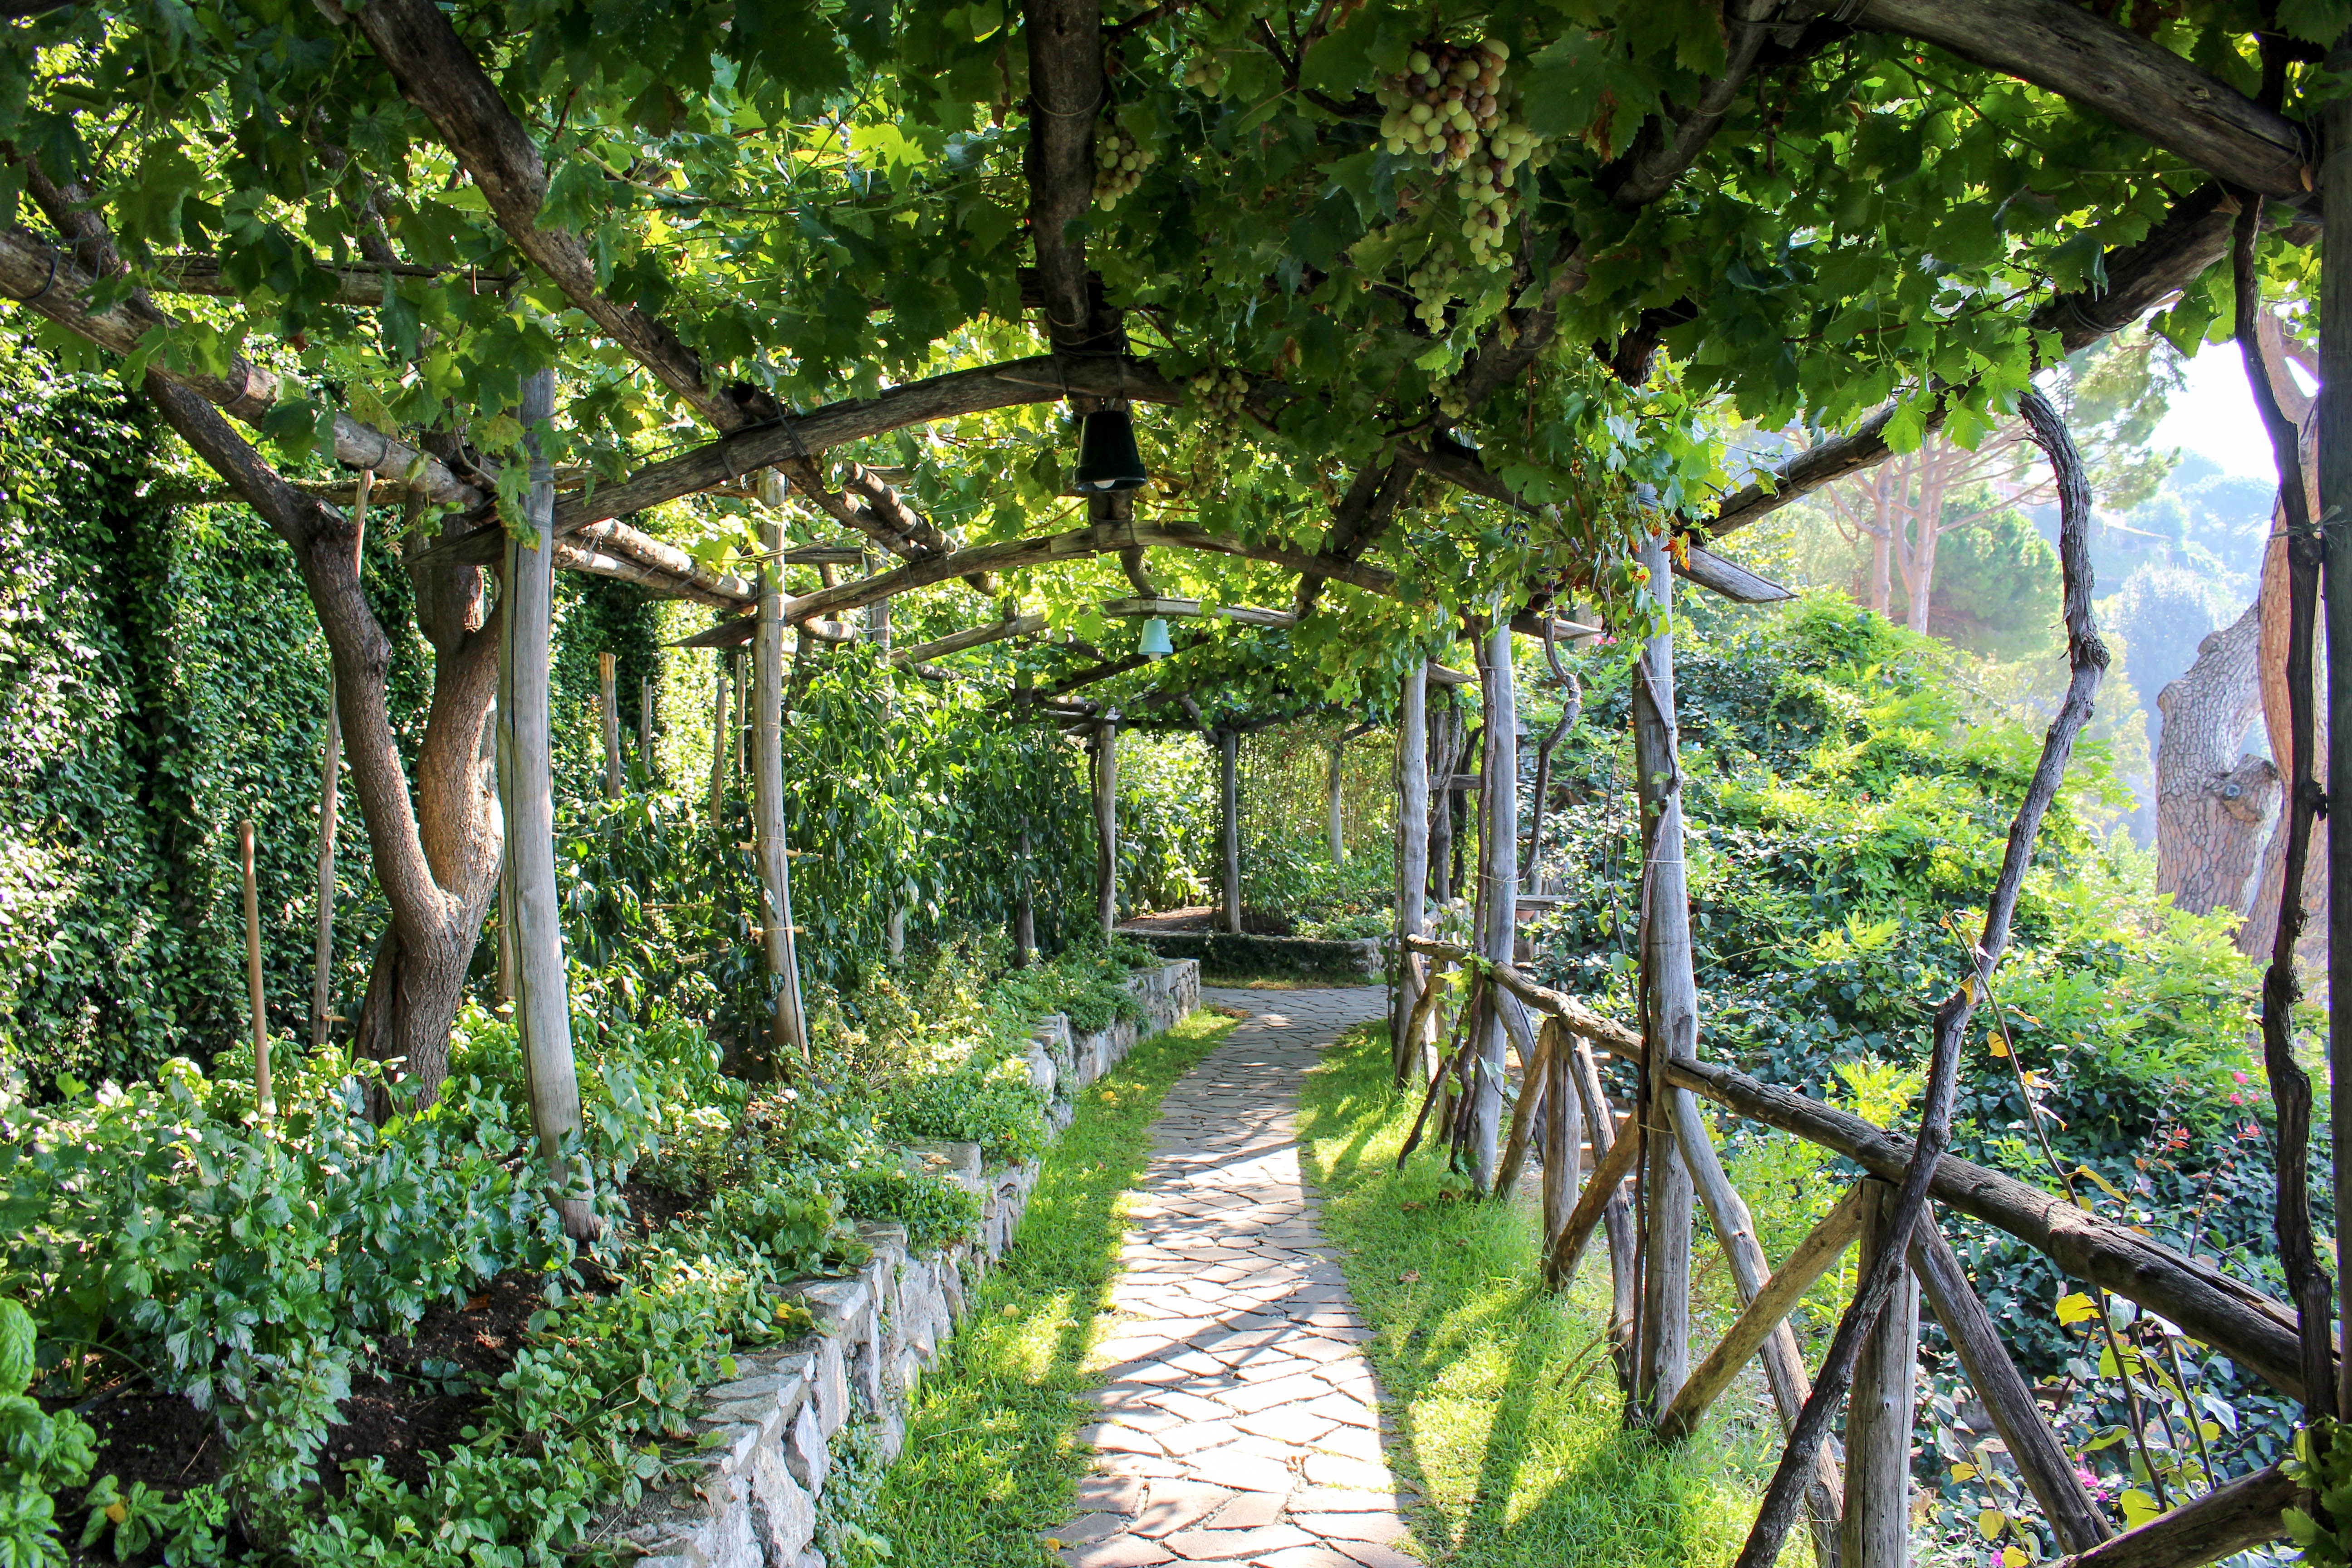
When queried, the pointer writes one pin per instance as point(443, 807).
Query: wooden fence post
point(788, 1031)
point(1670, 1012)
point(1229, 828)
point(1412, 862)
point(526, 794)
point(1877, 1529)
point(722, 742)
point(253, 969)
point(1445, 752)
point(1333, 825)
point(1107, 821)
point(608, 705)
point(322, 955)
point(1499, 882)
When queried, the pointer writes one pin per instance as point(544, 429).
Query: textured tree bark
point(1413, 860)
point(1563, 1133)
point(2211, 799)
point(1877, 1529)
point(526, 794)
point(788, 1030)
point(2261, 929)
point(1229, 829)
point(1670, 1012)
point(1498, 877)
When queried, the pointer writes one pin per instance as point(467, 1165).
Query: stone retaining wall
point(750, 1501)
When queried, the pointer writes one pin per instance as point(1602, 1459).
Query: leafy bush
point(40, 1454)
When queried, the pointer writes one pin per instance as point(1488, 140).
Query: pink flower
point(2237, 1099)
point(2239, 1077)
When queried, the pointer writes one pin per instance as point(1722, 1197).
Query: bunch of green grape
point(1447, 98)
point(1453, 402)
point(1119, 162)
point(1433, 283)
point(1206, 71)
point(1219, 399)
point(1485, 187)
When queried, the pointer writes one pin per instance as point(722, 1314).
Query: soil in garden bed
point(414, 1403)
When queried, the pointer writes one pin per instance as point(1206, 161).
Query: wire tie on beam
point(48, 283)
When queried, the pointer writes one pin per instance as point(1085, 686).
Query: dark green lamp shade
point(1155, 643)
point(1108, 459)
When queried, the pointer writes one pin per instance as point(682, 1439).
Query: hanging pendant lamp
point(1107, 456)
point(1155, 643)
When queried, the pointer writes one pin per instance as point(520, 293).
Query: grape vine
point(1119, 162)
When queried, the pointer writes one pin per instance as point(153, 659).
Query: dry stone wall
point(750, 1500)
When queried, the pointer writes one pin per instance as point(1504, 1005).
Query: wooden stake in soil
point(1229, 829)
point(253, 968)
point(1024, 908)
point(1412, 862)
point(646, 725)
point(609, 710)
point(526, 794)
point(1332, 824)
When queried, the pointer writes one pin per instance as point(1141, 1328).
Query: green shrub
point(935, 1211)
point(40, 1454)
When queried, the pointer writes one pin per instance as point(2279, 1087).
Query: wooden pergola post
point(322, 955)
point(609, 712)
point(1413, 860)
point(722, 742)
point(2334, 463)
point(1498, 880)
point(1877, 1525)
point(1229, 828)
point(1670, 1009)
point(788, 1030)
point(1107, 821)
point(526, 794)
point(1334, 825)
point(1025, 907)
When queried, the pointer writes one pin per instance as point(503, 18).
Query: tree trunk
point(1412, 857)
point(1107, 822)
point(2212, 801)
point(1498, 876)
point(322, 957)
point(1877, 1529)
point(789, 1029)
point(526, 793)
point(1670, 1011)
point(1229, 828)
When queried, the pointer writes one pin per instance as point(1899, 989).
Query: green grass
point(992, 1456)
point(1507, 1411)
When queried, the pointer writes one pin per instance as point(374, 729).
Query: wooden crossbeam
point(971, 638)
point(1605, 1034)
point(2224, 1521)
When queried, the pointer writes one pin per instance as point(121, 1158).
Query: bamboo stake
point(322, 955)
point(253, 970)
point(526, 794)
point(2041, 1459)
point(1878, 1419)
point(609, 712)
point(1332, 780)
point(646, 724)
point(1107, 821)
point(1024, 910)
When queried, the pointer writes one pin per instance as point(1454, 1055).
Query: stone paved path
point(1240, 1422)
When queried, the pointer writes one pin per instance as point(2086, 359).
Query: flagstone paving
point(1240, 1422)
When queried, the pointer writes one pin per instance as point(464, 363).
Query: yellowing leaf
point(2104, 1185)
point(1992, 1522)
point(1964, 1471)
point(1997, 1046)
point(2010, 1557)
point(2076, 1308)
point(2138, 1509)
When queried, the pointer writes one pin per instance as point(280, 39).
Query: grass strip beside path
point(1504, 1409)
point(991, 1457)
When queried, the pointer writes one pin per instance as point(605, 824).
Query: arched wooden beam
point(2094, 64)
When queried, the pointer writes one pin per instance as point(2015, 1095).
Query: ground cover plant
point(1504, 1410)
point(991, 1453)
